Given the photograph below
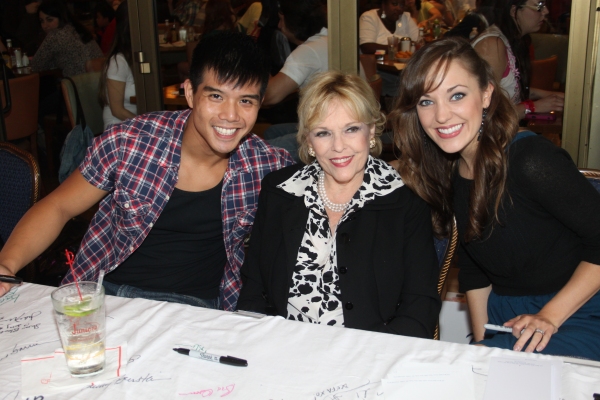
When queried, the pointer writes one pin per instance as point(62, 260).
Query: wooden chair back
point(543, 73)
point(22, 119)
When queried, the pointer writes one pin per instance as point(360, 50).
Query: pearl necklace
point(323, 195)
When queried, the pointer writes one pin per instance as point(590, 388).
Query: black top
point(550, 223)
point(388, 269)
point(184, 252)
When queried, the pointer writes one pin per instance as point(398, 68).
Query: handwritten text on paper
point(24, 320)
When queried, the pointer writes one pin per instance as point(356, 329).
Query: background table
point(287, 359)
point(171, 98)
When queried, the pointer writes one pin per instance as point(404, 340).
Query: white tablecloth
point(287, 359)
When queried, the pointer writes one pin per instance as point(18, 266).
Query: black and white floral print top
point(315, 294)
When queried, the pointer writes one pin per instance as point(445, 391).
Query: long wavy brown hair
point(429, 171)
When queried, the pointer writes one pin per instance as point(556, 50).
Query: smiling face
point(527, 19)
point(451, 114)
point(48, 22)
point(341, 145)
point(222, 114)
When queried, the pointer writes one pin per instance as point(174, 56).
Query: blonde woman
point(341, 241)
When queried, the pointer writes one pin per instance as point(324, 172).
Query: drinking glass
point(81, 324)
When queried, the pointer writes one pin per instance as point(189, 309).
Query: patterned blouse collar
point(380, 179)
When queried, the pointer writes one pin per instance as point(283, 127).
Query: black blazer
point(386, 260)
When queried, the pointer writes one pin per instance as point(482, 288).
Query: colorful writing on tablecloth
point(219, 391)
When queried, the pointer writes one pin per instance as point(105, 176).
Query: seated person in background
point(105, 26)
point(341, 241)
point(248, 22)
point(528, 221)
point(446, 11)
point(188, 12)
point(304, 23)
point(178, 191)
point(116, 83)
point(505, 46)
point(68, 44)
point(427, 14)
point(480, 19)
point(375, 26)
point(28, 35)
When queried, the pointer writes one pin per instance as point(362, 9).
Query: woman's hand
point(553, 102)
point(535, 327)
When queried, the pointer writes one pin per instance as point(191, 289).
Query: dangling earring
point(383, 14)
point(482, 122)
point(311, 152)
point(372, 143)
point(425, 141)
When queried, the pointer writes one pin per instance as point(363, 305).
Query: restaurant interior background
point(573, 33)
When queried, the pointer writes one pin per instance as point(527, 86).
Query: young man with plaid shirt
point(178, 190)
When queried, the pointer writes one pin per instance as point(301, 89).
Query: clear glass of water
point(82, 327)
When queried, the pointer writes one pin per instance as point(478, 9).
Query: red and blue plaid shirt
point(138, 163)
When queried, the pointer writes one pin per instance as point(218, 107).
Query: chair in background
point(543, 73)
point(95, 64)
point(546, 45)
point(87, 87)
point(593, 175)
point(19, 190)
point(445, 249)
point(22, 119)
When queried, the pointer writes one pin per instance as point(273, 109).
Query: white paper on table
point(48, 374)
point(429, 381)
point(523, 378)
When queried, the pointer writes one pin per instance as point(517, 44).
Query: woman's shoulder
point(369, 15)
point(493, 34)
point(535, 157)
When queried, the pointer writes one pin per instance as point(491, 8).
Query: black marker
point(236, 362)
point(11, 279)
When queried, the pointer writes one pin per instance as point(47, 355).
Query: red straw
point(70, 261)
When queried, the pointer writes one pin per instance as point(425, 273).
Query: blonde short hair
point(351, 91)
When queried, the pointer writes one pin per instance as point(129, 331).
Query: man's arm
point(280, 86)
point(42, 224)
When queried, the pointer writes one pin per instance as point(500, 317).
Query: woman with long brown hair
point(528, 220)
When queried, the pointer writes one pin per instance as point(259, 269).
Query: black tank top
point(184, 252)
